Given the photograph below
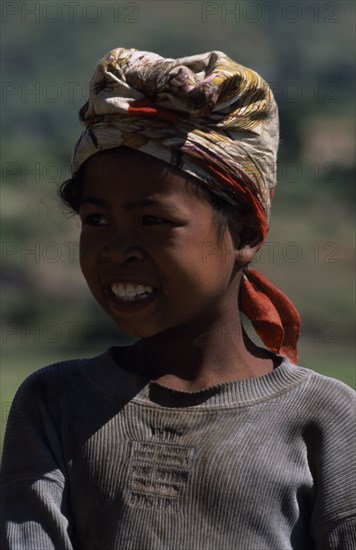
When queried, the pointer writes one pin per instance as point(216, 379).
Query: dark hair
point(225, 213)
point(70, 191)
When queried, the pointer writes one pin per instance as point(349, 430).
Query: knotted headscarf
point(213, 119)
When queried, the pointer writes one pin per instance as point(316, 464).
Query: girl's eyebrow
point(131, 205)
point(93, 200)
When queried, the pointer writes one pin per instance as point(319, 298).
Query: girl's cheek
point(87, 252)
point(87, 242)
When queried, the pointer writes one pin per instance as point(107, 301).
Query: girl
point(194, 437)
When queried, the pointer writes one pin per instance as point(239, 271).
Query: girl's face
point(149, 247)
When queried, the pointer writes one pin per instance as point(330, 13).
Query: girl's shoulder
point(322, 398)
point(53, 376)
point(324, 386)
point(91, 380)
point(67, 379)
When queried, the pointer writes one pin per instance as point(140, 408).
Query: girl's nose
point(121, 252)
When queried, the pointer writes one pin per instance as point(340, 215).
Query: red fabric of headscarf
point(272, 314)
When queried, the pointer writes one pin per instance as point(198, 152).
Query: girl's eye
point(153, 220)
point(95, 219)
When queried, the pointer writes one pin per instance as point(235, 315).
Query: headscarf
point(212, 118)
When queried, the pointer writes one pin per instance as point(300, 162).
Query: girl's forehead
point(124, 176)
point(118, 162)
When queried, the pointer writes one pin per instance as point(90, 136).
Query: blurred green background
point(49, 50)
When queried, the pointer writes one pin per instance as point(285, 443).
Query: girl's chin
point(135, 328)
point(136, 332)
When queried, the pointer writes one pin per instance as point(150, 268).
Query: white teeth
point(130, 291)
point(140, 289)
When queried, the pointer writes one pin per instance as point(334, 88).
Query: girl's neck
point(179, 361)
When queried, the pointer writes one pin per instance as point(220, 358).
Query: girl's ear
point(245, 254)
point(248, 241)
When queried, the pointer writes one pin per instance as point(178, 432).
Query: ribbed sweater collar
point(120, 383)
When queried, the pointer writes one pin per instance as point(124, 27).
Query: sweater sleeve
point(333, 521)
point(34, 491)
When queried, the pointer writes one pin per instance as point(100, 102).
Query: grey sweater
point(99, 458)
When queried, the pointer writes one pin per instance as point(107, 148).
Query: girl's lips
point(131, 290)
point(119, 305)
point(112, 282)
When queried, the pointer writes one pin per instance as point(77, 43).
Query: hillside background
point(305, 50)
